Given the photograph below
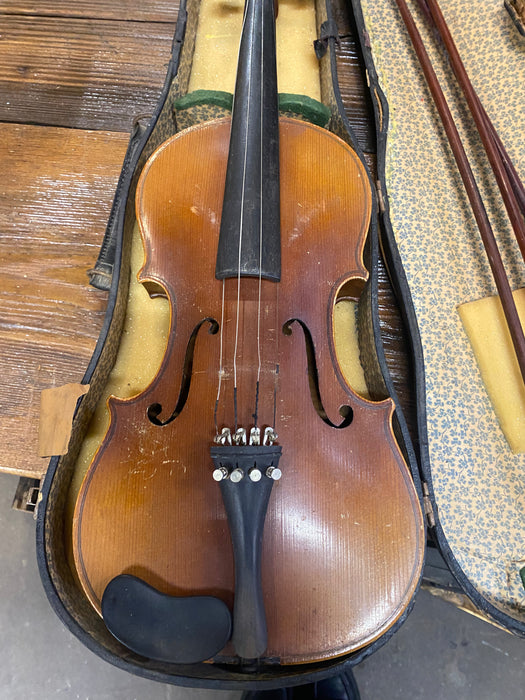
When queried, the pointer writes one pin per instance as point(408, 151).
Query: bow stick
point(511, 187)
point(506, 176)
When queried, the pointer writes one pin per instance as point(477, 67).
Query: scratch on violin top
point(138, 470)
point(209, 214)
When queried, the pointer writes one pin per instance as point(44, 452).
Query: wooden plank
point(55, 196)
point(131, 10)
point(93, 74)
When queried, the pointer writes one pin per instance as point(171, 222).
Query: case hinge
point(427, 505)
point(380, 199)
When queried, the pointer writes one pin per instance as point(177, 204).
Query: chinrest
point(168, 628)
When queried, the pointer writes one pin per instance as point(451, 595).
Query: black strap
point(328, 31)
point(100, 275)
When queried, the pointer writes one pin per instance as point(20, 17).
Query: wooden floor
point(73, 77)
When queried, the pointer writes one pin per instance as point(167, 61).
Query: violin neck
point(249, 239)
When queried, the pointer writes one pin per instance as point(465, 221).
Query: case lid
point(475, 481)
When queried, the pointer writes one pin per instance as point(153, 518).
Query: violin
point(248, 486)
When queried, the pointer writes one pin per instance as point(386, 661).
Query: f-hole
point(155, 409)
point(313, 378)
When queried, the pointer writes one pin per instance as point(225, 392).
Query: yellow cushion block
point(488, 334)
point(140, 353)
point(217, 44)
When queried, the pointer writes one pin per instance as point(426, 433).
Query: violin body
point(343, 539)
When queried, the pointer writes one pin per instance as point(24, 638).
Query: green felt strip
point(197, 98)
point(311, 110)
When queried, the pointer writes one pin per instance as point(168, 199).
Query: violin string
point(237, 321)
point(261, 102)
point(221, 365)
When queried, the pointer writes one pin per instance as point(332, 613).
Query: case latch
point(27, 495)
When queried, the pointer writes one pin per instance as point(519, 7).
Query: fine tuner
point(241, 437)
point(254, 474)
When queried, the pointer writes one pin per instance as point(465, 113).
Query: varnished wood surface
point(72, 79)
point(312, 524)
point(127, 10)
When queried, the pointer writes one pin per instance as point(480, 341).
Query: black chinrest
point(181, 630)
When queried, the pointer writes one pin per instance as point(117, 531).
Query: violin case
point(458, 460)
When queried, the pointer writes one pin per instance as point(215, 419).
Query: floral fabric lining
point(479, 484)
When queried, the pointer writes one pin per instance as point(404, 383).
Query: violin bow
point(511, 188)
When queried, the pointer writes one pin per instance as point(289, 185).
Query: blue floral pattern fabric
point(479, 483)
